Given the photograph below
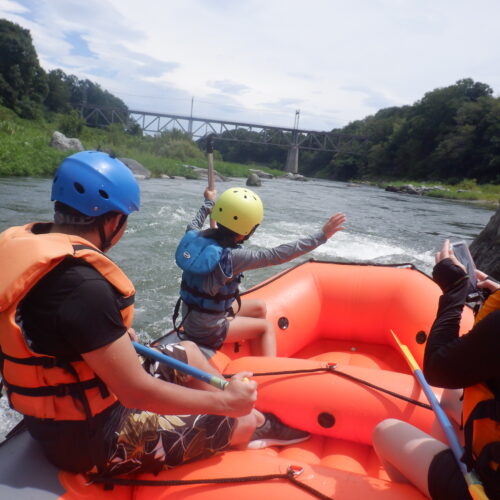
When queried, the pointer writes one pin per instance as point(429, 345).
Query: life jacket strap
point(490, 409)
point(219, 297)
point(489, 455)
point(44, 361)
point(73, 389)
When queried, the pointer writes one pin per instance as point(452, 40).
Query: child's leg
point(259, 331)
point(401, 446)
point(252, 308)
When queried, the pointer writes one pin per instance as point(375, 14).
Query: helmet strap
point(106, 242)
point(251, 232)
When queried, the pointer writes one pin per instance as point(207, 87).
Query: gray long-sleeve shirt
point(240, 260)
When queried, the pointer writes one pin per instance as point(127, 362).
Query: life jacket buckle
point(47, 362)
point(62, 390)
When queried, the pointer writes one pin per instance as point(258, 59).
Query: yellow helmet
point(238, 209)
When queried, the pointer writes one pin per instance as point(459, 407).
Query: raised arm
point(199, 219)
point(244, 259)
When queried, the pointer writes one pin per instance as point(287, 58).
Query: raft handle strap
point(292, 472)
point(331, 367)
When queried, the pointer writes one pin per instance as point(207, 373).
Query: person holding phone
point(471, 362)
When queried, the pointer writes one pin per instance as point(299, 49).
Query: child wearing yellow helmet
point(213, 261)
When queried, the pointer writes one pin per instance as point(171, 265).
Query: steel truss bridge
point(197, 127)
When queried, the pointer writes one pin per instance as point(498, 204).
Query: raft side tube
point(352, 303)
point(327, 404)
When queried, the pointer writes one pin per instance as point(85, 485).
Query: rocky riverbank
point(486, 196)
point(485, 249)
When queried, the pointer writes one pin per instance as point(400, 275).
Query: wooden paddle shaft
point(211, 176)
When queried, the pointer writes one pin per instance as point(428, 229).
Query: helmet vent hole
point(220, 209)
point(103, 194)
point(235, 217)
point(79, 187)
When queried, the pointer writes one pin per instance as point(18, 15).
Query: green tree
point(23, 83)
point(451, 133)
point(58, 97)
point(71, 123)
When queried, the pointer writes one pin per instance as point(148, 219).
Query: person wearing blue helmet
point(91, 187)
point(66, 358)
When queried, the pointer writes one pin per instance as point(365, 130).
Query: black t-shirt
point(70, 311)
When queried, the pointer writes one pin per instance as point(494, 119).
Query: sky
point(260, 61)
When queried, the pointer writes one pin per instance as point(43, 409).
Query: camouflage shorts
point(148, 442)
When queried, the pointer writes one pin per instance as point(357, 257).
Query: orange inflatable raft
point(343, 375)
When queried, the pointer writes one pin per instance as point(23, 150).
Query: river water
point(381, 227)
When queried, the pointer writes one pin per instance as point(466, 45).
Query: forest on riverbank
point(450, 137)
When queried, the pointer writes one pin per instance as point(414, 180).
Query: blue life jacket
point(197, 256)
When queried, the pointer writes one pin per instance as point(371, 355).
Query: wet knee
point(192, 349)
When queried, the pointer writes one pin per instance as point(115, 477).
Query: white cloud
point(260, 60)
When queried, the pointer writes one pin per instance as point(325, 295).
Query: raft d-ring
point(295, 470)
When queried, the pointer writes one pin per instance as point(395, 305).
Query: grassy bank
point(25, 149)
point(485, 195)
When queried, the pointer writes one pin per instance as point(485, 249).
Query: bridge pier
point(292, 160)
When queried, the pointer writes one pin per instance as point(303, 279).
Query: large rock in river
point(485, 249)
point(139, 170)
point(253, 180)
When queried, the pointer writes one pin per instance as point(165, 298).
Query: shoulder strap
point(490, 409)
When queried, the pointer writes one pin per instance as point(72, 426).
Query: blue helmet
point(95, 183)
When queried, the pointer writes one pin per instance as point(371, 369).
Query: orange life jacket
point(481, 414)
point(39, 385)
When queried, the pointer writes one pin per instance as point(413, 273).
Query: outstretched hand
point(334, 225)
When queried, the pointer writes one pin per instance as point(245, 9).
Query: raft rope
point(291, 475)
point(332, 368)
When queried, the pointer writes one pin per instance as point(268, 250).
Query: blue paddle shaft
point(179, 365)
point(446, 425)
